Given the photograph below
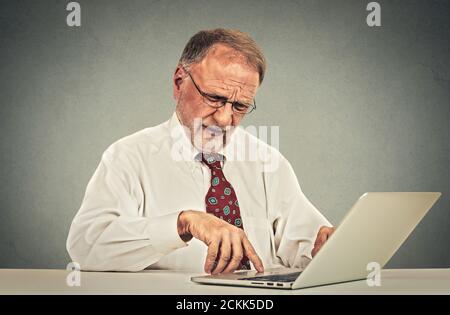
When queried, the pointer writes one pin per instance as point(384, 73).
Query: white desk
point(29, 281)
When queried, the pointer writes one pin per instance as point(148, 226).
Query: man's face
point(222, 72)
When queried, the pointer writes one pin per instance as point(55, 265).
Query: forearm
point(296, 233)
point(297, 219)
point(109, 243)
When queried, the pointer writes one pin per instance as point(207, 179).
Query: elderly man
point(161, 198)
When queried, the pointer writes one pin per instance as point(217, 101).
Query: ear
point(178, 78)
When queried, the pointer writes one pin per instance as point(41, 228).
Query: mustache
point(215, 129)
point(212, 128)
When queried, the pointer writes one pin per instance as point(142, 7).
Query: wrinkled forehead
point(226, 65)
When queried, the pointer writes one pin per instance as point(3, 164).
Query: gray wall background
point(359, 109)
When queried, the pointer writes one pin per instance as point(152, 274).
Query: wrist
point(183, 226)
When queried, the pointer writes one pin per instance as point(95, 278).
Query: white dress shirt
point(128, 218)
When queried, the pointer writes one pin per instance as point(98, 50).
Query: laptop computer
point(371, 232)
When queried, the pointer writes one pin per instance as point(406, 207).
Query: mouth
point(213, 131)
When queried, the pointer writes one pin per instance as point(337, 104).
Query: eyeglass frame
point(224, 101)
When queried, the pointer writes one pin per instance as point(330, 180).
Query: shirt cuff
point(163, 233)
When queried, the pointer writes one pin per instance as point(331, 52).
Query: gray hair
point(199, 45)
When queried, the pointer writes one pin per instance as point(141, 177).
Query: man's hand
point(322, 236)
point(226, 243)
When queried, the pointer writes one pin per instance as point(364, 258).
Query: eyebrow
point(214, 95)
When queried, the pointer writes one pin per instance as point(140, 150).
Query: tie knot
point(212, 160)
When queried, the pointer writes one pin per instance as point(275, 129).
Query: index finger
point(251, 254)
point(213, 250)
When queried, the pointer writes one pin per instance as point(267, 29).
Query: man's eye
point(240, 107)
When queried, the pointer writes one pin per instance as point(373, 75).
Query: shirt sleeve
point(110, 231)
point(296, 220)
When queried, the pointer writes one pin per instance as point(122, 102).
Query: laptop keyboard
point(288, 277)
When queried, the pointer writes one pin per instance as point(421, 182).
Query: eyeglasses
point(217, 101)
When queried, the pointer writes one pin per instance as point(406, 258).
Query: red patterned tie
point(221, 198)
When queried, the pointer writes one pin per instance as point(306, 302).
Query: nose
point(224, 116)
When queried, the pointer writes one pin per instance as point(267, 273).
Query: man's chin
point(210, 139)
point(212, 145)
